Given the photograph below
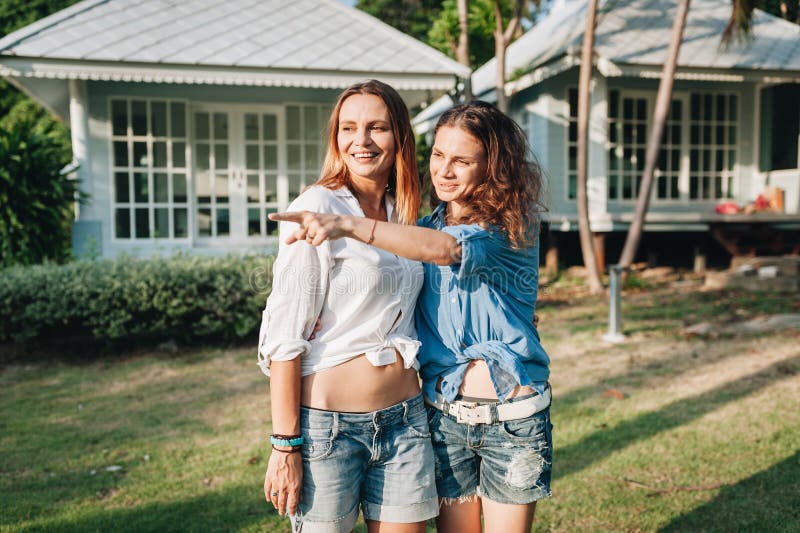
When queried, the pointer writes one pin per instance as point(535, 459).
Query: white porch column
point(79, 131)
point(597, 182)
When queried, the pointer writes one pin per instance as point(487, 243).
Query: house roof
point(310, 43)
point(632, 38)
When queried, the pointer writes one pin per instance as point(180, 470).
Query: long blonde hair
point(404, 181)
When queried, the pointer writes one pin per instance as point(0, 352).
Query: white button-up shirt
point(363, 296)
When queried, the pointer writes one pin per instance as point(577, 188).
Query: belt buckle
point(469, 413)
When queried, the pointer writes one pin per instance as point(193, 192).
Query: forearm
point(284, 392)
point(412, 242)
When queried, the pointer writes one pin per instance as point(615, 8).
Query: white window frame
point(151, 205)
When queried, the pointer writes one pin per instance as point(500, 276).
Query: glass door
point(239, 172)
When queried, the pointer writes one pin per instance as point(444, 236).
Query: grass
point(708, 426)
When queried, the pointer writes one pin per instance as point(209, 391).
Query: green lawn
point(710, 425)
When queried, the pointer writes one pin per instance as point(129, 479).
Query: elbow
point(448, 255)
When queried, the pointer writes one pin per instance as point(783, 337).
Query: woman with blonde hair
point(349, 424)
point(483, 368)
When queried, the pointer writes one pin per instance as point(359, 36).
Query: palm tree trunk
point(585, 79)
point(502, 38)
point(654, 142)
point(462, 52)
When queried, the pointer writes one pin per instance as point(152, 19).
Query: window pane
point(311, 130)
point(220, 156)
point(270, 157)
point(674, 187)
point(720, 107)
point(203, 157)
point(139, 117)
point(694, 187)
point(120, 154)
point(572, 186)
point(573, 132)
point(142, 223)
point(123, 223)
point(119, 117)
point(122, 193)
point(140, 154)
point(140, 193)
point(179, 188)
point(201, 126)
point(662, 188)
point(179, 154)
point(159, 154)
point(178, 119)
point(294, 157)
point(161, 219)
point(612, 186)
point(613, 104)
point(223, 224)
point(627, 108)
point(158, 114)
point(312, 158)
point(203, 187)
point(221, 188)
point(252, 188)
point(251, 127)
point(627, 187)
point(641, 109)
point(270, 128)
point(572, 96)
point(204, 222)
point(295, 185)
point(292, 123)
point(251, 157)
point(220, 126)
point(180, 222)
point(254, 221)
point(161, 187)
point(271, 188)
point(732, 107)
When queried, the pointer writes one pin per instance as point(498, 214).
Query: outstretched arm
point(412, 242)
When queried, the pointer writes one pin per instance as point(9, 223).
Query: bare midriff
point(358, 386)
point(478, 384)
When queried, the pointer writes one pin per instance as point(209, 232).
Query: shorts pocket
point(318, 443)
point(417, 423)
point(533, 427)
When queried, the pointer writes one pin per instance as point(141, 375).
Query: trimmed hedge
point(135, 301)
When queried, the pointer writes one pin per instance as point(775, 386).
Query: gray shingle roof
point(637, 32)
point(318, 35)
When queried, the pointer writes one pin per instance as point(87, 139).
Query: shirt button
point(453, 300)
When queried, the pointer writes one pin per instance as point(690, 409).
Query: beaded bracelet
point(279, 440)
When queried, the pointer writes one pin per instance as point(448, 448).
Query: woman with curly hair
point(483, 368)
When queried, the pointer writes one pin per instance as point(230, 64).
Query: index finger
point(287, 216)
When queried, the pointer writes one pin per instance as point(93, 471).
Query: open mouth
point(364, 156)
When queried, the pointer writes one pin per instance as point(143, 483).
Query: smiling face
point(458, 165)
point(365, 138)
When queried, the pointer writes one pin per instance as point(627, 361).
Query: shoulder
point(315, 198)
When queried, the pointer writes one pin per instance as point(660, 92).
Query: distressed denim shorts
point(506, 462)
point(382, 461)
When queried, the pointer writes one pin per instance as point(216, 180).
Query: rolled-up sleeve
point(478, 248)
point(299, 285)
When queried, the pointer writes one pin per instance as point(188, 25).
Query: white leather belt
point(473, 413)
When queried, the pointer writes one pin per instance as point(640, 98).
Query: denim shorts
point(382, 461)
point(506, 462)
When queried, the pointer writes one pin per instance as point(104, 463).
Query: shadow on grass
point(228, 509)
point(766, 501)
point(600, 444)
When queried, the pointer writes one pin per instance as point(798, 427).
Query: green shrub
point(35, 200)
point(135, 301)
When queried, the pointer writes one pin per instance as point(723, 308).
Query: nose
point(443, 170)
point(363, 137)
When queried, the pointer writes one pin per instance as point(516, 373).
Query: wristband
point(372, 233)
point(293, 450)
point(276, 441)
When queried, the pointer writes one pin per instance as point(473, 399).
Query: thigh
point(400, 486)
point(333, 466)
point(460, 516)
point(456, 463)
point(506, 517)
point(516, 458)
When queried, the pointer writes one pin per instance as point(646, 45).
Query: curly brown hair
point(510, 197)
point(404, 182)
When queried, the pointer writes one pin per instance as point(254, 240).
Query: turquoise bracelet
point(286, 442)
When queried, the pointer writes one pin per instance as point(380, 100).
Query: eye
point(379, 128)
point(436, 155)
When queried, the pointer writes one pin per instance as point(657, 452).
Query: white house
point(734, 126)
point(192, 120)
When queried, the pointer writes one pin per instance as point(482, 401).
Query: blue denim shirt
point(480, 308)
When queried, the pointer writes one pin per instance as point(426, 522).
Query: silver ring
point(273, 494)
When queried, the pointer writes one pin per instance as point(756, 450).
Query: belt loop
point(335, 428)
point(405, 412)
point(493, 416)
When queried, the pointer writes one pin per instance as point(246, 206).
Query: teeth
point(364, 156)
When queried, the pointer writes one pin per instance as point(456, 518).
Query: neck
point(453, 210)
point(369, 193)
